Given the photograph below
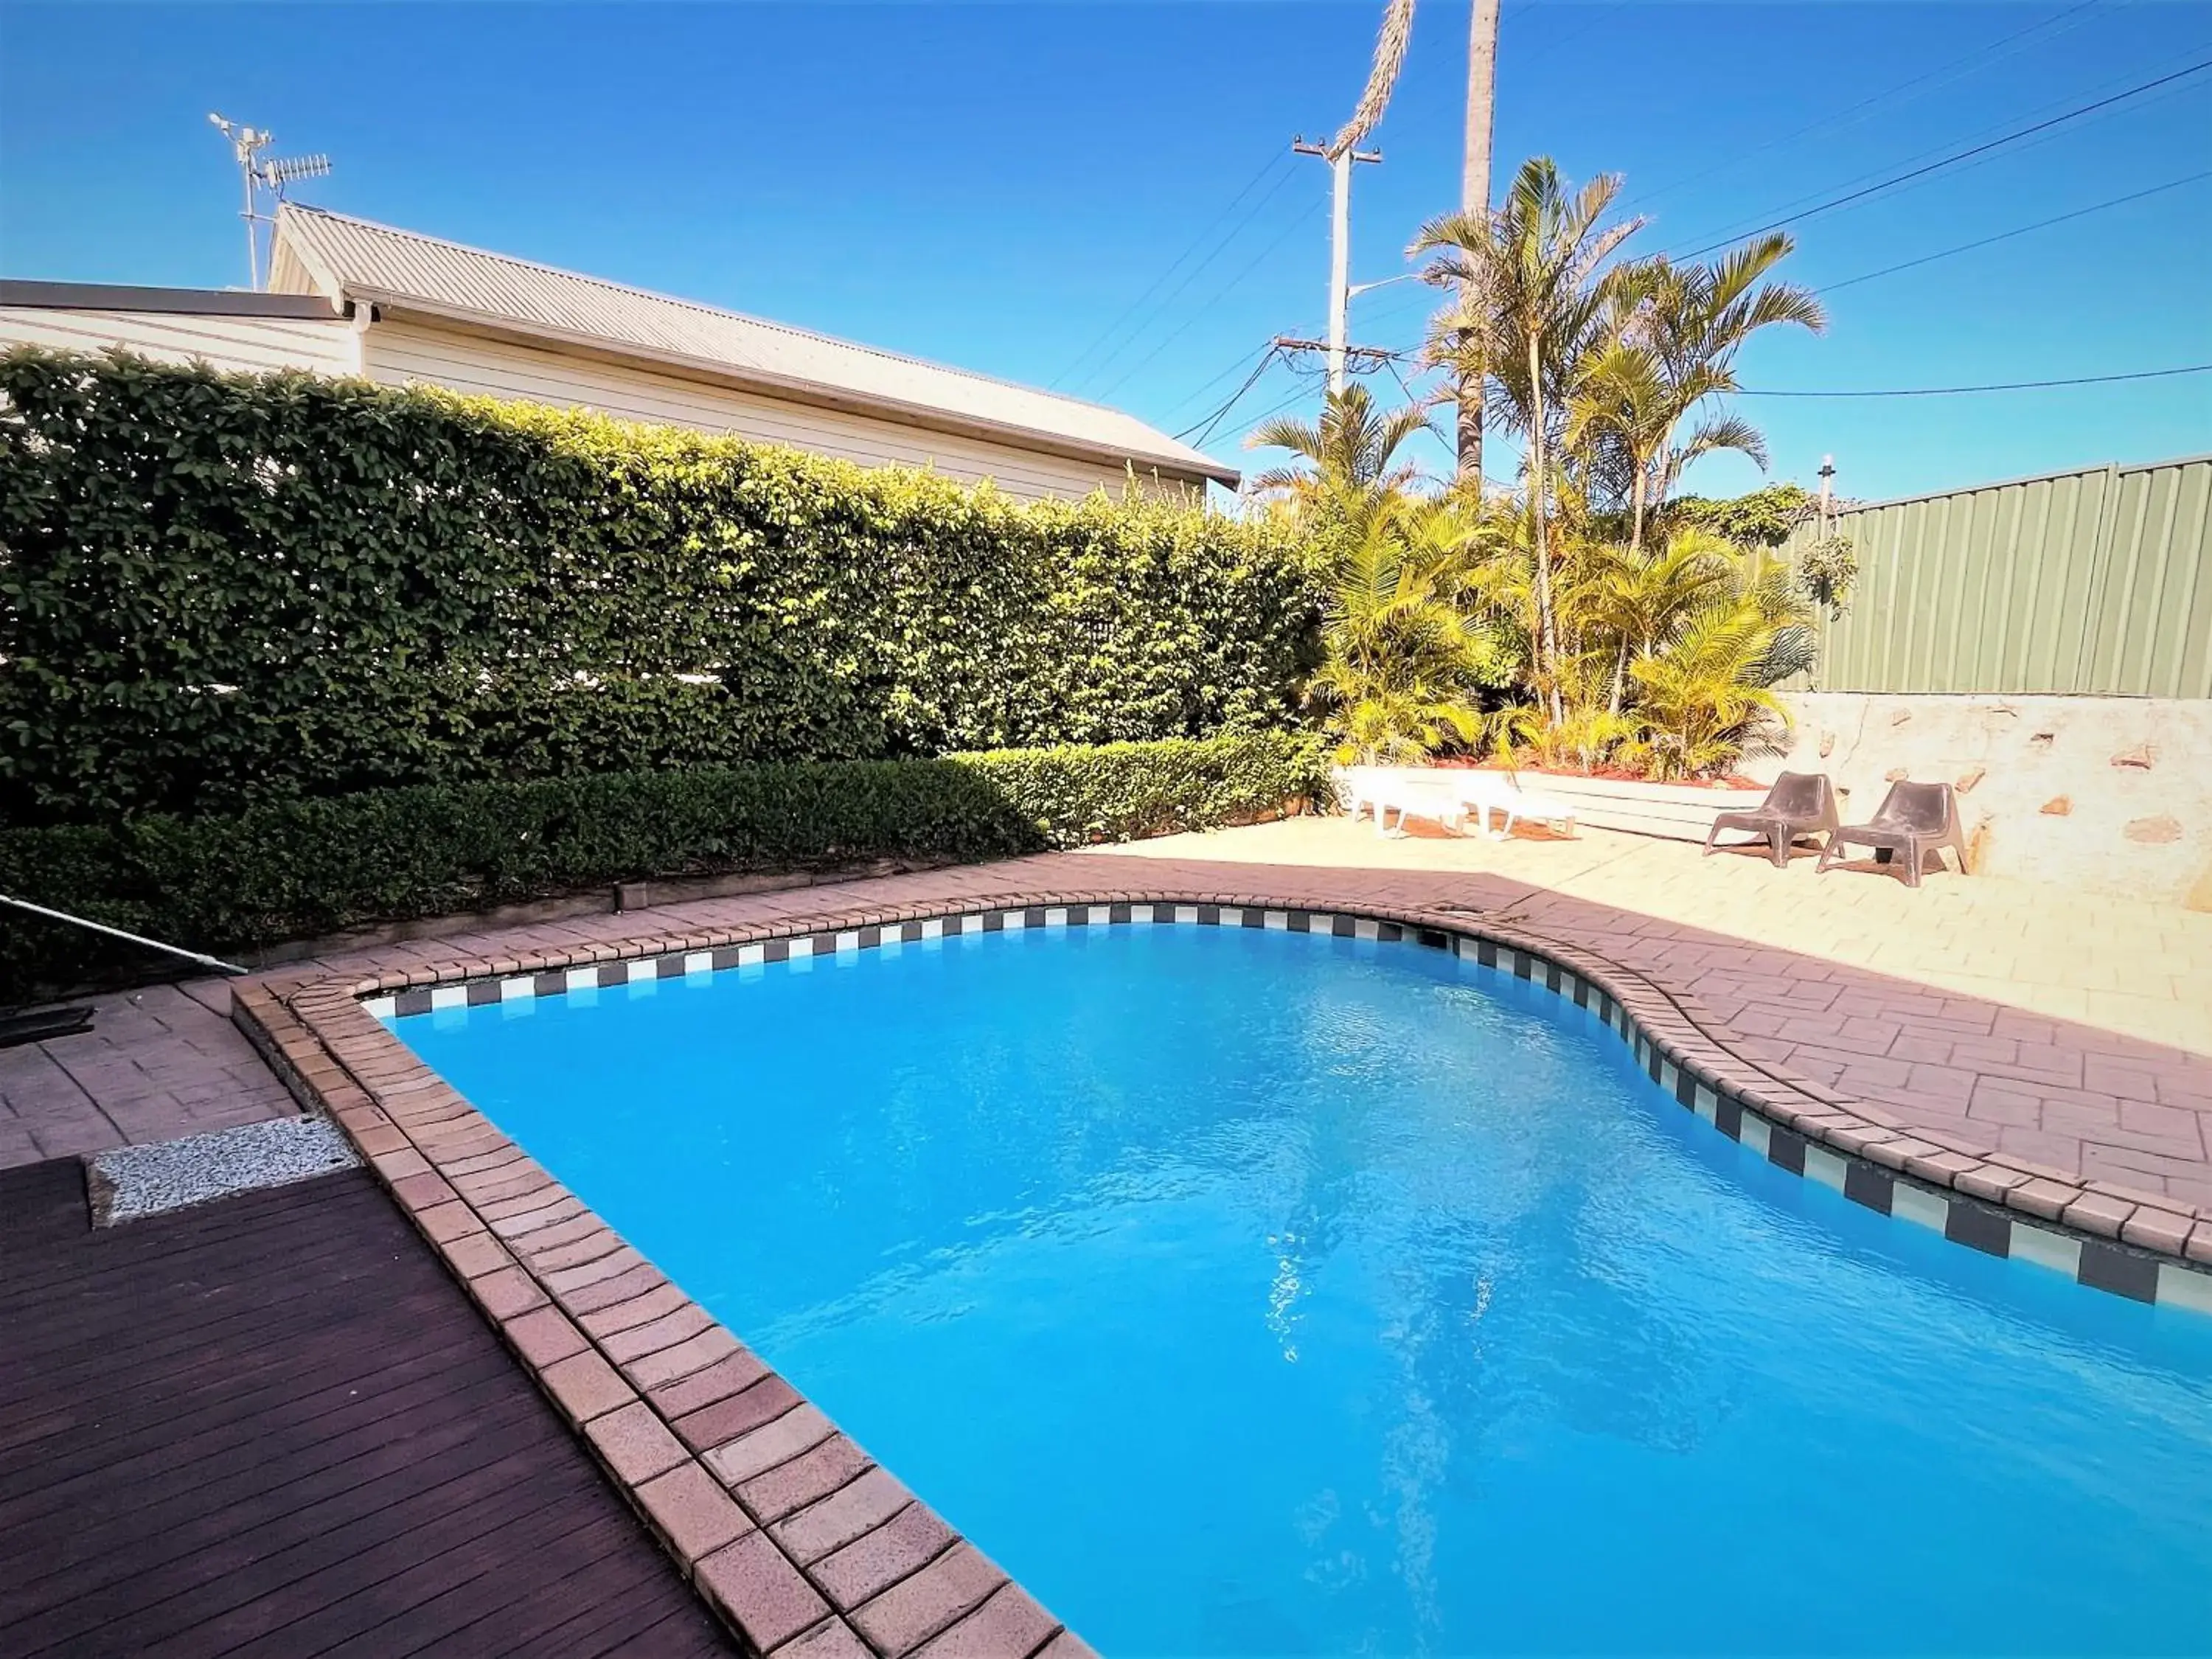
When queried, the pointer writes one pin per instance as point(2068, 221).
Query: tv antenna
point(261, 174)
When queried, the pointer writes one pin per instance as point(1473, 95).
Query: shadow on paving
point(273, 1425)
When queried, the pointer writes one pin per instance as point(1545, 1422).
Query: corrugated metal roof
point(346, 258)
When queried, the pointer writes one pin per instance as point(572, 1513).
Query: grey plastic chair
point(1799, 804)
point(1913, 820)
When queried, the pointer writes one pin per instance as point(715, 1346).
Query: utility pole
point(1339, 247)
point(1474, 200)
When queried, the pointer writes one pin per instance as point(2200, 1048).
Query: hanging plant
point(1828, 569)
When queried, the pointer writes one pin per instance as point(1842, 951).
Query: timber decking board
point(272, 1425)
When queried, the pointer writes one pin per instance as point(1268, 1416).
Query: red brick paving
point(2095, 1104)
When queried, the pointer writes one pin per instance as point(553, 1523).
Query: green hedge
point(218, 590)
point(296, 869)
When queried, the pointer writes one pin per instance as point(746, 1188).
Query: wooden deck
point(273, 1425)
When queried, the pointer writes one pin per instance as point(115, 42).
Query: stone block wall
point(2102, 794)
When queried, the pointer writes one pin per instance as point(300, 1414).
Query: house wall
point(400, 351)
point(243, 344)
point(2104, 795)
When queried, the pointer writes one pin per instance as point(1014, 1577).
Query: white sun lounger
point(1385, 789)
point(1484, 792)
point(1448, 794)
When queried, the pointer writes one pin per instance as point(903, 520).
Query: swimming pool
point(1246, 1292)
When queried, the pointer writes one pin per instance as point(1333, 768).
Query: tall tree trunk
point(1635, 547)
point(1474, 199)
point(1547, 627)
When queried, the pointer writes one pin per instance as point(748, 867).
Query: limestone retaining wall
point(2104, 795)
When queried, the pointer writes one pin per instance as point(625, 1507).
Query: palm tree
point(1696, 317)
point(1670, 345)
point(1350, 452)
point(1588, 735)
point(1621, 396)
point(1703, 693)
point(1474, 199)
point(1382, 76)
point(1531, 275)
point(1692, 320)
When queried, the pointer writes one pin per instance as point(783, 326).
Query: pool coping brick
point(748, 1498)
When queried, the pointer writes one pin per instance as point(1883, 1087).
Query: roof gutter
point(178, 301)
point(792, 389)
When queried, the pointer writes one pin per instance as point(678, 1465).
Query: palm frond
point(1287, 432)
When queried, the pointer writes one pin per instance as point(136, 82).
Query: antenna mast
point(260, 174)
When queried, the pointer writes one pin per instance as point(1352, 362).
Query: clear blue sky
point(993, 186)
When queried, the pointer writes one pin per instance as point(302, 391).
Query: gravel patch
point(131, 1182)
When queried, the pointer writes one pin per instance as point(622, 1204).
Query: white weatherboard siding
point(397, 352)
point(241, 345)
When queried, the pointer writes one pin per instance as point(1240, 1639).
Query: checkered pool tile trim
point(1877, 1174)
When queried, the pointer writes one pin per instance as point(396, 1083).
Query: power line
point(1552, 47)
point(1283, 349)
point(1414, 300)
point(1946, 391)
point(1211, 381)
point(1401, 306)
point(2007, 235)
point(1274, 161)
point(1985, 241)
point(1215, 419)
point(1220, 294)
point(1957, 156)
point(1976, 59)
point(2009, 385)
point(2048, 106)
point(1277, 408)
point(1159, 307)
point(1300, 393)
point(1412, 396)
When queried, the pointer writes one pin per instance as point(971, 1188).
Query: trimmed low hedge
point(298, 869)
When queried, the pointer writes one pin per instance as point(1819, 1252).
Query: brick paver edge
point(776, 1517)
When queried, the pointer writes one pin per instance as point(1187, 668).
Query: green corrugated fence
point(2096, 582)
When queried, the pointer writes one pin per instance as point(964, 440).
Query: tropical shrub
point(216, 591)
point(1762, 518)
point(1702, 702)
point(290, 869)
point(1352, 471)
point(1404, 664)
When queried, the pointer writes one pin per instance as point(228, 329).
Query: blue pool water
point(1248, 1293)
